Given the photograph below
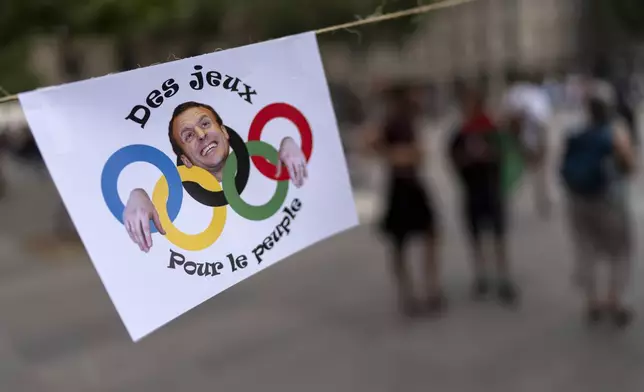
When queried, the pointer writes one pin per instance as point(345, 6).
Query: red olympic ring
point(271, 112)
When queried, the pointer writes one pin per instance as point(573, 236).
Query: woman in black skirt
point(408, 210)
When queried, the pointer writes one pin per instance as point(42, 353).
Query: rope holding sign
point(395, 15)
point(344, 26)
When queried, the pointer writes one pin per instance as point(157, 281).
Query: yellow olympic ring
point(185, 241)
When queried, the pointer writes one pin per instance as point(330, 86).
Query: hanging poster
point(185, 178)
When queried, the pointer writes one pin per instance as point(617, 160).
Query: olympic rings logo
point(167, 195)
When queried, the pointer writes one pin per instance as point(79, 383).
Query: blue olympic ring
point(140, 153)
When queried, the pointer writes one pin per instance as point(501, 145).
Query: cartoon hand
point(136, 218)
point(293, 158)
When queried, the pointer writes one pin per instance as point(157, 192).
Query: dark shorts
point(483, 214)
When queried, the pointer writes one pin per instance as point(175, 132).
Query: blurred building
point(487, 37)
point(482, 38)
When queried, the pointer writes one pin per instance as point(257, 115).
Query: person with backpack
point(476, 154)
point(595, 166)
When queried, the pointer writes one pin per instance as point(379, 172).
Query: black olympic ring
point(218, 199)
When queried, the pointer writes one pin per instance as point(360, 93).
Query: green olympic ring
point(251, 212)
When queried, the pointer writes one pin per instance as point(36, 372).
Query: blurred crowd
point(491, 147)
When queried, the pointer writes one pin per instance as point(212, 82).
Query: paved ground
point(323, 320)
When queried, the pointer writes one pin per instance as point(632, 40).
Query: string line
point(373, 19)
point(394, 15)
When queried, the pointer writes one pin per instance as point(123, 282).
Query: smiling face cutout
point(203, 141)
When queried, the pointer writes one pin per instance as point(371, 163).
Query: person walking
point(408, 212)
point(527, 111)
point(597, 162)
point(476, 153)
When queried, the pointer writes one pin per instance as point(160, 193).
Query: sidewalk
point(322, 320)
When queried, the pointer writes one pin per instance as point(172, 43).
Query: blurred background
point(325, 319)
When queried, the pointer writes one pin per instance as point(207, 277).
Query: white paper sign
point(195, 144)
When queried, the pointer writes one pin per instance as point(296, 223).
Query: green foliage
point(268, 18)
point(14, 76)
point(189, 21)
point(627, 14)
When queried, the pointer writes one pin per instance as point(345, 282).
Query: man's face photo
point(203, 141)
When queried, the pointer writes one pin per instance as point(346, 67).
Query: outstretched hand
point(292, 157)
point(138, 212)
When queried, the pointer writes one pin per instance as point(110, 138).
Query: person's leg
point(614, 302)
point(502, 267)
point(620, 268)
point(498, 222)
point(585, 257)
point(435, 299)
point(473, 220)
point(593, 304)
point(540, 182)
point(401, 277)
point(507, 291)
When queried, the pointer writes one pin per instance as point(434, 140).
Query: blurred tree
point(629, 15)
point(186, 23)
point(14, 76)
point(610, 30)
point(285, 17)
